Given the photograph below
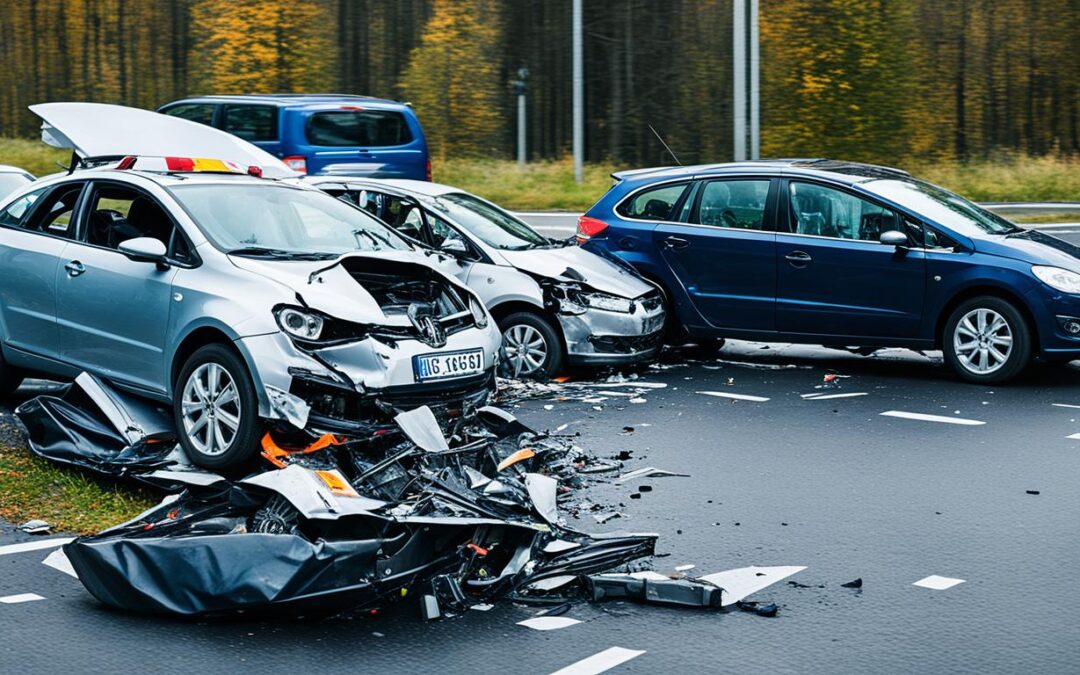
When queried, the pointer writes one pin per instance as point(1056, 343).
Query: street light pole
point(519, 89)
point(738, 44)
point(578, 94)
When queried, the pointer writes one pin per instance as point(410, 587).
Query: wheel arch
point(196, 339)
point(991, 290)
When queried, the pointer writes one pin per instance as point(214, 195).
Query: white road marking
point(742, 582)
point(600, 662)
point(824, 397)
point(737, 397)
point(35, 545)
point(937, 583)
point(58, 561)
point(21, 597)
point(931, 418)
point(1065, 405)
point(1075, 437)
point(548, 622)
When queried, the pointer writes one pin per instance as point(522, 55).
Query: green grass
point(34, 156)
point(538, 186)
point(69, 499)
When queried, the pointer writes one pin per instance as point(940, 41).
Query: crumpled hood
point(1035, 247)
point(334, 291)
point(599, 273)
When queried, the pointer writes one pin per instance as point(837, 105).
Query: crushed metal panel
point(315, 496)
point(542, 491)
point(738, 584)
point(421, 427)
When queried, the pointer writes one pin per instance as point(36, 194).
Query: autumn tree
point(454, 81)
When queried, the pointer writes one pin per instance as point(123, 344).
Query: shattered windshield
point(491, 224)
point(941, 206)
point(281, 221)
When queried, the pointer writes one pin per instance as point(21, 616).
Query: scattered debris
point(648, 472)
point(1032, 492)
point(736, 397)
point(548, 622)
point(853, 584)
point(937, 583)
point(769, 610)
point(35, 527)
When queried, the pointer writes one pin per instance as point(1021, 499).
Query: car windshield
point(491, 224)
point(941, 206)
point(281, 221)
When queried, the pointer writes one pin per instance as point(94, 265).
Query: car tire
point(987, 340)
point(234, 418)
point(10, 378)
point(545, 354)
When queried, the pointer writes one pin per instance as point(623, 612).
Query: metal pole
point(521, 129)
point(579, 95)
point(755, 84)
point(738, 43)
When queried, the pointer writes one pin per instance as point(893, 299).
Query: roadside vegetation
point(549, 185)
point(68, 499)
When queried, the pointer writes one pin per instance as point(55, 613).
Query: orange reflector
point(523, 454)
point(337, 483)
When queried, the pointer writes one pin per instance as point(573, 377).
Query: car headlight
point(299, 324)
point(610, 303)
point(1057, 278)
point(479, 314)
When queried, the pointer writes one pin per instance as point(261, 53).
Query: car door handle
point(75, 268)
point(676, 243)
point(798, 258)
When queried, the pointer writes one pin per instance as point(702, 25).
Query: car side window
point(733, 203)
point(655, 204)
point(203, 113)
point(826, 212)
point(18, 210)
point(54, 212)
point(118, 213)
point(252, 122)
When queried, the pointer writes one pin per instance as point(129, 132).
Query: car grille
point(619, 344)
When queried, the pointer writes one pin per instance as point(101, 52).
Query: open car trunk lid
point(104, 130)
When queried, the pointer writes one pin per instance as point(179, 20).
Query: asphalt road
point(826, 483)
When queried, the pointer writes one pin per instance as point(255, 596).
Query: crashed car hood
point(103, 130)
point(334, 291)
point(598, 273)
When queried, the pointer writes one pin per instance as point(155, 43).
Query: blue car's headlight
point(1057, 278)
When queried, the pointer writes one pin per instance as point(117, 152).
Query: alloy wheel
point(211, 409)
point(983, 341)
point(525, 349)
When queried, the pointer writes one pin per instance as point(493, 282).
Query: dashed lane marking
point(21, 597)
point(737, 397)
point(937, 583)
point(600, 662)
point(826, 397)
point(35, 545)
point(931, 418)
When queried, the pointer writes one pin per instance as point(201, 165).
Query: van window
point(655, 204)
point(252, 122)
point(362, 128)
point(733, 203)
point(203, 113)
point(826, 212)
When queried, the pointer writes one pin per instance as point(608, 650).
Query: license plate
point(451, 364)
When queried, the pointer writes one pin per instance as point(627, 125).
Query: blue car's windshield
point(941, 206)
point(271, 218)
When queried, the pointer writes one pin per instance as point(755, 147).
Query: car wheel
point(216, 409)
point(10, 378)
point(531, 347)
point(987, 340)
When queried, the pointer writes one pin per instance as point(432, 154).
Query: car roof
point(7, 168)
point(289, 100)
point(840, 170)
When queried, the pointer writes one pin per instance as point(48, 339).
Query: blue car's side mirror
point(894, 238)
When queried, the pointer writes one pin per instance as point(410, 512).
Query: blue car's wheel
point(987, 340)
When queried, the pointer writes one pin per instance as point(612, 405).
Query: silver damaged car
point(241, 301)
point(555, 303)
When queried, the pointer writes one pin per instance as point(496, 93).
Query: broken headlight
point(570, 298)
point(299, 323)
point(312, 329)
point(607, 302)
point(479, 314)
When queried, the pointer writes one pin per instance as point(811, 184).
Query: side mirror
point(894, 238)
point(455, 247)
point(144, 249)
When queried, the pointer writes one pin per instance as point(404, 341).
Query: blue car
point(320, 134)
point(839, 253)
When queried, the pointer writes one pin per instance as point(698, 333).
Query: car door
point(35, 230)
point(834, 276)
point(113, 312)
point(724, 255)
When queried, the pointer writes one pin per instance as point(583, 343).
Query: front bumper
point(356, 387)
point(1053, 312)
point(598, 337)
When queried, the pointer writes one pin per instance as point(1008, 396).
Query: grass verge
point(67, 498)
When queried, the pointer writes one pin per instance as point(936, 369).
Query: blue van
point(320, 134)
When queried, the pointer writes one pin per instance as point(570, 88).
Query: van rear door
point(364, 141)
